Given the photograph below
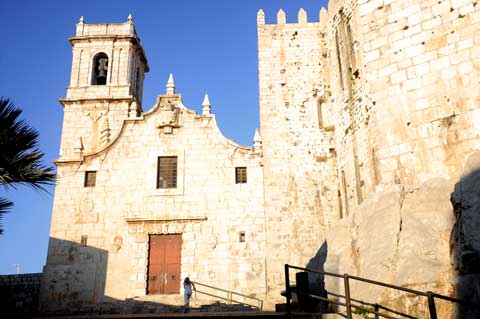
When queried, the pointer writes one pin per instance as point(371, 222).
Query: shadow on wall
point(19, 294)
point(465, 238)
point(315, 283)
point(74, 276)
point(74, 283)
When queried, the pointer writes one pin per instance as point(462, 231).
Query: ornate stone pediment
point(169, 114)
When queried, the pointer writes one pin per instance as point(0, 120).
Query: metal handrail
point(374, 305)
point(348, 305)
point(230, 294)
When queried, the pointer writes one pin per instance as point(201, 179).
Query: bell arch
point(100, 69)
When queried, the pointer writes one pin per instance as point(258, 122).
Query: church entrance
point(164, 256)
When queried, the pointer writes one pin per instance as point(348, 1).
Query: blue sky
point(210, 46)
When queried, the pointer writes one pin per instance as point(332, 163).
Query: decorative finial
point(170, 85)
point(129, 18)
point(281, 17)
point(257, 142)
point(260, 17)
point(302, 16)
point(80, 21)
point(206, 105)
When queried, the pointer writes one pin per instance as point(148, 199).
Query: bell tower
point(106, 84)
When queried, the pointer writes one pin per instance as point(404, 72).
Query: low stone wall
point(19, 293)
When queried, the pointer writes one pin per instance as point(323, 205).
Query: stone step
point(212, 315)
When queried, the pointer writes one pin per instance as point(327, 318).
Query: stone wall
point(125, 206)
point(19, 293)
point(392, 84)
point(421, 60)
point(301, 190)
point(415, 89)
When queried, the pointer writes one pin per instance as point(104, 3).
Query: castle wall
point(301, 190)
point(207, 208)
point(414, 88)
point(395, 89)
point(421, 65)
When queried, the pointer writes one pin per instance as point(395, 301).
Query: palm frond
point(20, 158)
point(5, 206)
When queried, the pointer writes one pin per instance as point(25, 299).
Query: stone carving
point(100, 128)
point(84, 213)
point(169, 115)
point(117, 243)
point(104, 131)
point(96, 115)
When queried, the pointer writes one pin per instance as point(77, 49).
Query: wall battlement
point(302, 18)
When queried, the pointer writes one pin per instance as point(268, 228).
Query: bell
point(102, 67)
point(101, 73)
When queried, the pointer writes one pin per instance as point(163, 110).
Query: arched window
point(100, 69)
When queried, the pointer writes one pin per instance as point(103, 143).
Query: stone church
point(365, 163)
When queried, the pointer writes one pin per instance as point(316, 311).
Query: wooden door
point(164, 264)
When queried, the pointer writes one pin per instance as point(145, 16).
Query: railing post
point(347, 296)
point(287, 288)
point(376, 308)
point(431, 305)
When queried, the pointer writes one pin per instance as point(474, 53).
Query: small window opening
point(100, 69)
point(339, 60)
point(320, 110)
point(90, 178)
point(83, 240)
point(241, 237)
point(240, 175)
point(138, 82)
point(167, 172)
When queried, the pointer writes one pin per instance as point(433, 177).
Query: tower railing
point(348, 300)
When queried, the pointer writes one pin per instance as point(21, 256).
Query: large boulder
point(398, 237)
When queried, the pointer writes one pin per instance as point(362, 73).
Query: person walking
point(188, 287)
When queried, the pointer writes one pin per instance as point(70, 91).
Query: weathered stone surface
point(19, 294)
point(465, 238)
point(367, 118)
point(397, 237)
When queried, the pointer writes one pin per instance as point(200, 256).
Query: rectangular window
point(240, 175)
point(83, 240)
point(90, 178)
point(242, 237)
point(167, 172)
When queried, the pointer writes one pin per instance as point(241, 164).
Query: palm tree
point(20, 158)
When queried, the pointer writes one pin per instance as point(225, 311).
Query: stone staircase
point(212, 315)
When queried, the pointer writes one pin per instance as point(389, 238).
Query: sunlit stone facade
point(367, 120)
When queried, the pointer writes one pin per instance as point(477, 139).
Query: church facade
point(367, 117)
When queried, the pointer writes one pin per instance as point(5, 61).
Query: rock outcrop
point(399, 237)
point(465, 238)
